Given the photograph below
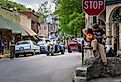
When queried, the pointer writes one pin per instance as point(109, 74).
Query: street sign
point(93, 7)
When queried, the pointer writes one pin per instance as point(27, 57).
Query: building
point(10, 30)
point(53, 27)
point(26, 23)
point(33, 21)
point(43, 30)
point(110, 21)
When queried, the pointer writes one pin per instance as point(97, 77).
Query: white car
point(25, 47)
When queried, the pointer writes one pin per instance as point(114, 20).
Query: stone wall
point(97, 69)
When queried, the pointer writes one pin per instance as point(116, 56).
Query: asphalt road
point(40, 68)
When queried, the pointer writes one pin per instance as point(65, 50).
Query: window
point(44, 27)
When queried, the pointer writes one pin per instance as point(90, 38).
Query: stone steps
point(81, 74)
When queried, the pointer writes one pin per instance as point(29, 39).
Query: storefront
point(110, 21)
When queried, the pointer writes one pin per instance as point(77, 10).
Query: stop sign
point(93, 7)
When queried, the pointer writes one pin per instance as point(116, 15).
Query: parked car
point(26, 47)
point(76, 45)
point(43, 46)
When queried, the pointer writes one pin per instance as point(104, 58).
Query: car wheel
point(56, 49)
point(25, 55)
point(79, 49)
point(47, 53)
point(33, 53)
point(62, 52)
point(52, 54)
point(16, 55)
point(69, 50)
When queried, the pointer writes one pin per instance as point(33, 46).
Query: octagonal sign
point(93, 7)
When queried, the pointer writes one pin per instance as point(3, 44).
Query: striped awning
point(29, 31)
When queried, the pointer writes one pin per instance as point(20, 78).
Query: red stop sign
point(93, 7)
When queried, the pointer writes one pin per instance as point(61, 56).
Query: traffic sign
point(93, 7)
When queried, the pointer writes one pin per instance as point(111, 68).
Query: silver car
point(26, 47)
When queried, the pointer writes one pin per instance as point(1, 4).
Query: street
point(40, 68)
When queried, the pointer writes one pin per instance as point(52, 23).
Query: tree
point(56, 2)
point(44, 11)
point(72, 18)
point(10, 4)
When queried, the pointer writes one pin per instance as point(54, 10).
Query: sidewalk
point(5, 56)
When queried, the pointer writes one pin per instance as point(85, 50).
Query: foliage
point(10, 4)
point(56, 2)
point(72, 18)
point(43, 11)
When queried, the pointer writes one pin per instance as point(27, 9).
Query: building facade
point(110, 21)
point(10, 30)
point(43, 30)
point(34, 20)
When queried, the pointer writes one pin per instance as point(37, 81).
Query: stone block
point(80, 79)
point(96, 69)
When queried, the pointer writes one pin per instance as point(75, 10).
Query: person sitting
point(96, 36)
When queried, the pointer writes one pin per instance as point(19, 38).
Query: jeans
point(100, 48)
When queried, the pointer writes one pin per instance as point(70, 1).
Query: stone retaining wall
point(96, 69)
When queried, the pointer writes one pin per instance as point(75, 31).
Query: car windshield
point(47, 41)
point(80, 40)
point(20, 43)
point(41, 43)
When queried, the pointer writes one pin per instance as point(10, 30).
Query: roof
point(29, 13)
point(3, 24)
point(16, 28)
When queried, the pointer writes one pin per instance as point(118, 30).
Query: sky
point(34, 4)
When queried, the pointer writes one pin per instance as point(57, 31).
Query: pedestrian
point(2, 48)
point(96, 36)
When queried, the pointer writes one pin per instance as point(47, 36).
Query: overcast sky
point(34, 4)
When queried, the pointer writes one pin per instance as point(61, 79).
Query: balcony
point(108, 2)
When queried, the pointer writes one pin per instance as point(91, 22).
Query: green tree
point(44, 11)
point(10, 4)
point(72, 18)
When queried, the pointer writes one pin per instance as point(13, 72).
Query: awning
point(24, 33)
point(16, 28)
point(3, 24)
point(29, 31)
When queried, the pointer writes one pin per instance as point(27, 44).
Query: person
point(97, 41)
point(2, 48)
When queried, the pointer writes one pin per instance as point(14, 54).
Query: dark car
point(76, 45)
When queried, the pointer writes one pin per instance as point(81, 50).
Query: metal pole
point(82, 52)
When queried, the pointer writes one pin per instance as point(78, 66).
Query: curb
point(4, 56)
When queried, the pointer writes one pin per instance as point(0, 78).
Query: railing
point(112, 1)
